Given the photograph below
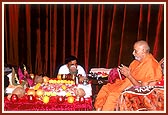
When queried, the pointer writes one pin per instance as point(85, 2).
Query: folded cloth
point(7, 69)
point(9, 90)
point(100, 70)
point(115, 74)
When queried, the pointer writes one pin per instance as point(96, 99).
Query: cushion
point(145, 98)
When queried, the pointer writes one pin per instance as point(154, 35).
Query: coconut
point(38, 79)
point(80, 92)
point(19, 91)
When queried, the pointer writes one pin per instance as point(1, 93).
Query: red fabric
point(53, 105)
point(113, 75)
point(98, 34)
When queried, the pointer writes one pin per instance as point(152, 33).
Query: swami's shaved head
point(144, 45)
point(141, 50)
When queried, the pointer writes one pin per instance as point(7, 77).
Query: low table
point(97, 83)
point(23, 104)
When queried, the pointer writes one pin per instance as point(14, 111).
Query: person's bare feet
point(98, 109)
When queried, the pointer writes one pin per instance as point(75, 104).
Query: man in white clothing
point(71, 67)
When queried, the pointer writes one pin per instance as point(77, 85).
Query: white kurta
point(64, 70)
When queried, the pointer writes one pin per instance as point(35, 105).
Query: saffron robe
point(145, 71)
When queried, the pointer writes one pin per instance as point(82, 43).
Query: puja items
point(45, 79)
point(14, 98)
point(60, 99)
point(57, 87)
point(25, 76)
point(39, 92)
point(62, 89)
point(46, 99)
point(80, 92)
point(77, 78)
point(31, 98)
point(65, 77)
point(31, 92)
point(38, 79)
point(82, 99)
point(24, 104)
point(99, 73)
point(70, 99)
point(54, 94)
point(18, 91)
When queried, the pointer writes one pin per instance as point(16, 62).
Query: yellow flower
point(68, 94)
point(63, 87)
point(37, 86)
point(46, 99)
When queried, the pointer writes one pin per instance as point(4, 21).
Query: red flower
point(20, 81)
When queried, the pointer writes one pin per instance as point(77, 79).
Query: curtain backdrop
point(41, 36)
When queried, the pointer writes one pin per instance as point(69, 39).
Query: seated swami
point(144, 69)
